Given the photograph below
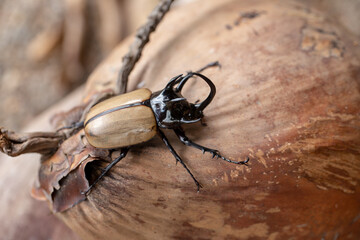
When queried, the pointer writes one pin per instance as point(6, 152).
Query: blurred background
point(49, 47)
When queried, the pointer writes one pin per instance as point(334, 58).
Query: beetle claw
point(198, 185)
point(86, 193)
point(244, 162)
point(215, 153)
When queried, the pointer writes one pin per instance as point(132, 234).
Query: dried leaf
point(72, 188)
point(67, 163)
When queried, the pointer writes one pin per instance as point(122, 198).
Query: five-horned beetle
point(136, 117)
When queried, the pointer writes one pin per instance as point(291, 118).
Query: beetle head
point(171, 109)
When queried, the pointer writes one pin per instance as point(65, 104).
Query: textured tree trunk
point(287, 97)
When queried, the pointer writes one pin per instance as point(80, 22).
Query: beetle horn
point(173, 81)
point(183, 81)
point(201, 106)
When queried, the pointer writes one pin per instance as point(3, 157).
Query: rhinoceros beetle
point(135, 117)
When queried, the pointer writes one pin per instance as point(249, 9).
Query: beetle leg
point(212, 64)
point(178, 159)
point(203, 122)
point(123, 153)
point(185, 140)
point(75, 125)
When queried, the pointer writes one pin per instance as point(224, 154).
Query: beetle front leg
point(209, 65)
point(123, 153)
point(185, 140)
point(178, 159)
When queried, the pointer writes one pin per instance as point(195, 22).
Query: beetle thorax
point(171, 109)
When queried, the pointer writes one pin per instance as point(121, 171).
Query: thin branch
point(141, 39)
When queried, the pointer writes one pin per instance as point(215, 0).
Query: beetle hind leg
point(178, 159)
point(123, 153)
point(73, 126)
point(185, 140)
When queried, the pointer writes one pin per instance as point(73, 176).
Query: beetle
point(135, 117)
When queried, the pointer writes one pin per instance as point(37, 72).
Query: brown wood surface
point(287, 96)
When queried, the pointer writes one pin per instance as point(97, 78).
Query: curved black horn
point(201, 106)
point(183, 81)
point(173, 81)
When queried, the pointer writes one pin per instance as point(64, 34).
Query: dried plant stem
point(141, 39)
point(14, 144)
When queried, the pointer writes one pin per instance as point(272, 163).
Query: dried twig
point(141, 39)
point(14, 144)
